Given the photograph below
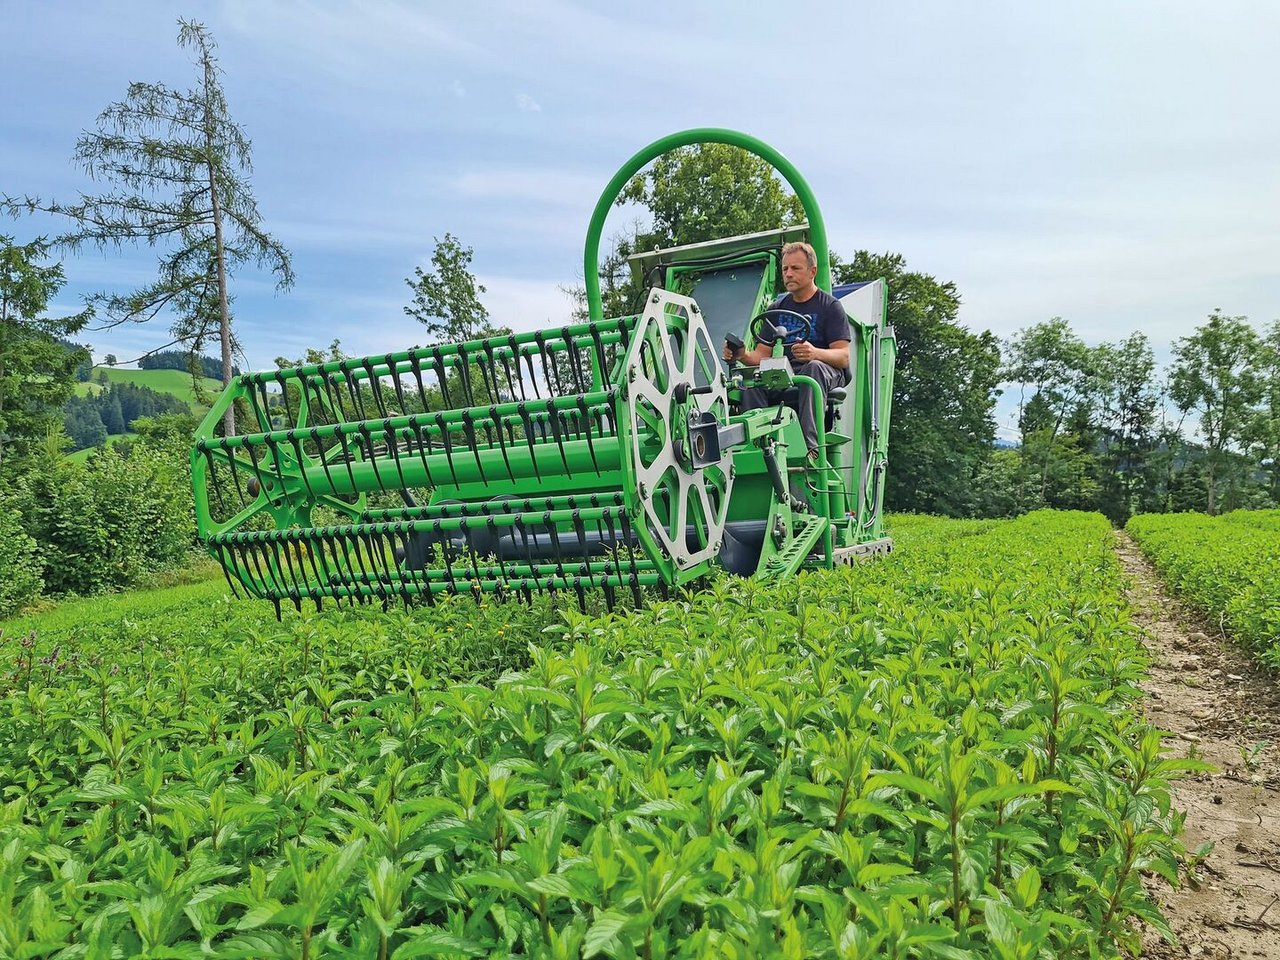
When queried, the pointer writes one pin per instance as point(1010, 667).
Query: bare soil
point(1217, 705)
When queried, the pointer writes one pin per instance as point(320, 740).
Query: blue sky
point(1114, 164)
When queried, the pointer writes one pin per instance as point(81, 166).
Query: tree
point(693, 194)
point(180, 166)
point(944, 388)
point(1214, 375)
point(1061, 371)
point(1127, 404)
point(110, 360)
point(1263, 431)
point(446, 300)
point(37, 370)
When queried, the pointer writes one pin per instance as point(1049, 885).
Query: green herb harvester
point(605, 456)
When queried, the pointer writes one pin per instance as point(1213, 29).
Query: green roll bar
point(591, 254)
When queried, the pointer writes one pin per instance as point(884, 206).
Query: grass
point(176, 382)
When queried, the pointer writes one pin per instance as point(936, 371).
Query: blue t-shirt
point(828, 322)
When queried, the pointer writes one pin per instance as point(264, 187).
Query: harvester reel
point(672, 382)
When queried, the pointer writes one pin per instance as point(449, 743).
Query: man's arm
point(836, 355)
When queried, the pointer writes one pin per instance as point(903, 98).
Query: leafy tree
point(944, 389)
point(180, 167)
point(37, 371)
point(446, 299)
point(1214, 376)
point(1127, 403)
point(694, 193)
point(1263, 431)
point(1060, 371)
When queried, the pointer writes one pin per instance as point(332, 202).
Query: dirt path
point(1222, 709)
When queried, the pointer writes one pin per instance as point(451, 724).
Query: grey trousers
point(827, 377)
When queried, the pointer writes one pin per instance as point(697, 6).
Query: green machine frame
point(607, 455)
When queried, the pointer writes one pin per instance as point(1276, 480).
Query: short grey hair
point(804, 248)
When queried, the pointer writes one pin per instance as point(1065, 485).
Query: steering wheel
point(792, 336)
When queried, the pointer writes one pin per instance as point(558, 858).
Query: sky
point(1115, 164)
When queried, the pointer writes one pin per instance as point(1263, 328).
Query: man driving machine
point(821, 351)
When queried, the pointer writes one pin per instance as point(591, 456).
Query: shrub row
point(1227, 568)
point(936, 755)
point(99, 525)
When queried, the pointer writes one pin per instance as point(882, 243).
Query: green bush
point(20, 564)
point(105, 524)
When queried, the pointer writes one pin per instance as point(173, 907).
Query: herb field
point(935, 755)
point(1227, 567)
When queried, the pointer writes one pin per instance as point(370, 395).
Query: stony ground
point(1220, 707)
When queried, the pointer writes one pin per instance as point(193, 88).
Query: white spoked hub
point(672, 378)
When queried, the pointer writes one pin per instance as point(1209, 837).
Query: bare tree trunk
point(224, 317)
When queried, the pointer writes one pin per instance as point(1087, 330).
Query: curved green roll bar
point(817, 229)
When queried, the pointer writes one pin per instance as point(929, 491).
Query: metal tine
point(311, 543)
point(448, 447)
point(342, 538)
point(555, 543)
point(423, 450)
point(279, 545)
point(366, 435)
point(263, 581)
point(324, 460)
point(502, 445)
point(292, 437)
point(489, 370)
point(533, 377)
point(235, 476)
point(348, 385)
point(226, 557)
point(357, 542)
point(631, 557)
point(416, 365)
point(469, 432)
point(364, 536)
point(401, 531)
point(271, 553)
point(599, 371)
point(528, 437)
point(397, 386)
point(448, 563)
point(554, 416)
point(575, 360)
point(284, 382)
point(334, 396)
point(213, 478)
point(304, 585)
point(549, 372)
point(613, 538)
point(442, 377)
point(346, 458)
point(383, 556)
point(506, 368)
point(580, 530)
point(261, 411)
point(375, 385)
point(393, 447)
point(257, 469)
point(463, 367)
point(471, 550)
point(587, 431)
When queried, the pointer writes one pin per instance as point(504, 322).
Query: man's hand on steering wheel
point(791, 336)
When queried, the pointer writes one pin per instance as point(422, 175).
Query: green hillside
point(176, 382)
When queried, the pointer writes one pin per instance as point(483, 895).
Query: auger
point(608, 455)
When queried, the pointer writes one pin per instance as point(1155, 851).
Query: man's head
point(799, 269)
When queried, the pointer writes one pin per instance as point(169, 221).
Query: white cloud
point(527, 103)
